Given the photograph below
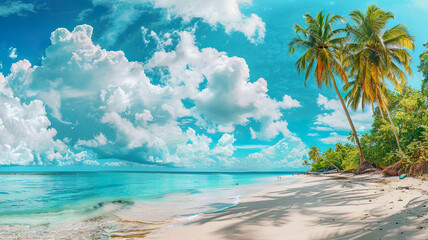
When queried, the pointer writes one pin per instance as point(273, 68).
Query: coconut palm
point(377, 53)
point(357, 97)
point(323, 55)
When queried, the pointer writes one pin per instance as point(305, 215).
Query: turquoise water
point(36, 195)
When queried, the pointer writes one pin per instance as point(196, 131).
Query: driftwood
point(393, 170)
point(363, 168)
point(420, 168)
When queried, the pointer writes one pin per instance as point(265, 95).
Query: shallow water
point(88, 205)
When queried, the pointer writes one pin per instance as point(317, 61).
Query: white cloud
point(91, 163)
point(229, 98)
point(115, 164)
point(4, 89)
point(335, 117)
point(225, 146)
point(144, 33)
point(99, 140)
point(313, 134)
point(289, 152)
point(335, 138)
point(224, 12)
point(252, 146)
point(144, 120)
point(145, 116)
point(15, 7)
point(26, 135)
point(12, 53)
point(227, 13)
point(321, 128)
point(194, 151)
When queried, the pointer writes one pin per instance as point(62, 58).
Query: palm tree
point(356, 97)
point(375, 54)
point(314, 154)
point(323, 47)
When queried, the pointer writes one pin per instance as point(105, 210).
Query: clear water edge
point(66, 200)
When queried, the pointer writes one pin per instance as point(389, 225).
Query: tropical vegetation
point(324, 47)
point(373, 57)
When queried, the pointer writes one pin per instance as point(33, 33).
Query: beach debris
point(393, 170)
point(402, 176)
point(365, 167)
point(420, 168)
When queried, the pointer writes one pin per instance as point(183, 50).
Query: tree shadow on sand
point(274, 209)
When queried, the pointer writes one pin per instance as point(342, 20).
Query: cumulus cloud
point(229, 98)
point(16, 7)
point(227, 13)
point(334, 117)
point(12, 53)
point(26, 135)
point(225, 146)
point(4, 89)
point(85, 85)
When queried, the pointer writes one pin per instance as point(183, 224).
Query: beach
point(335, 206)
point(331, 206)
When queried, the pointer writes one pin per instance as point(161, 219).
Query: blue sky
point(169, 84)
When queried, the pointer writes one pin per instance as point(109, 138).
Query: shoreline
point(334, 206)
point(128, 217)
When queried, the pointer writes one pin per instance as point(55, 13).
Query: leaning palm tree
point(377, 53)
point(356, 97)
point(323, 54)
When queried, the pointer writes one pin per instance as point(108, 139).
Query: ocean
point(48, 205)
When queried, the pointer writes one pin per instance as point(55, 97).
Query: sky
point(170, 84)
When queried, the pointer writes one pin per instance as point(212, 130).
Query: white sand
point(321, 207)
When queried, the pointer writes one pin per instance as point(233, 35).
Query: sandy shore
point(318, 207)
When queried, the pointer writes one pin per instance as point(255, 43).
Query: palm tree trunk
point(380, 108)
point(362, 159)
point(393, 129)
point(390, 120)
point(381, 113)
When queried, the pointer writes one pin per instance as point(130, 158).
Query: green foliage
point(410, 115)
point(373, 54)
point(342, 157)
point(423, 67)
point(416, 151)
